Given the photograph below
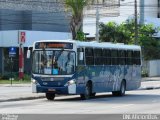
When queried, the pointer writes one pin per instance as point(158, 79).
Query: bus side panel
point(96, 74)
point(136, 78)
point(117, 77)
point(100, 76)
point(108, 78)
point(106, 81)
point(128, 76)
point(133, 77)
point(81, 77)
point(104, 78)
point(100, 79)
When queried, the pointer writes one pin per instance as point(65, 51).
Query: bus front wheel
point(87, 93)
point(50, 96)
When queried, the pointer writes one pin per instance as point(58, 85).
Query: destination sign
point(44, 45)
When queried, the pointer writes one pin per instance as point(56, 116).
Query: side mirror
point(28, 53)
point(81, 54)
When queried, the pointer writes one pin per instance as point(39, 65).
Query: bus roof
point(95, 44)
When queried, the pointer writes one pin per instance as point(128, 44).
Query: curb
point(14, 85)
point(23, 98)
point(149, 88)
point(149, 80)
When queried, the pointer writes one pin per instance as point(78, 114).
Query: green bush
point(144, 73)
point(27, 77)
point(6, 76)
point(15, 75)
point(0, 76)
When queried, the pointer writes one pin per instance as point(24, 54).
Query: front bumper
point(57, 90)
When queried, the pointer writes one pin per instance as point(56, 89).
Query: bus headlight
point(71, 82)
point(34, 81)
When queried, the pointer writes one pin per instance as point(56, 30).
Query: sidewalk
point(18, 92)
point(24, 91)
point(150, 83)
point(150, 79)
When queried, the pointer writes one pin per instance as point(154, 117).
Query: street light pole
point(97, 23)
point(136, 24)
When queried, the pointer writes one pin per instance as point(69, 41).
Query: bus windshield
point(53, 62)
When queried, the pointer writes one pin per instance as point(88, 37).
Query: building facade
point(150, 13)
point(115, 10)
point(36, 24)
point(33, 20)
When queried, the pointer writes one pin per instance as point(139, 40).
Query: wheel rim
point(87, 92)
point(123, 88)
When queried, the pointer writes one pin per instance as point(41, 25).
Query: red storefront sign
point(22, 37)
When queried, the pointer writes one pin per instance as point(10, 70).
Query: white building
point(148, 11)
point(119, 12)
point(11, 38)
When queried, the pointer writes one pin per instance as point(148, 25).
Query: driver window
point(70, 63)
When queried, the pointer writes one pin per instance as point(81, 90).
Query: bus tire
point(87, 93)
point(122, 90)
point(93, 94)
point(50, 96)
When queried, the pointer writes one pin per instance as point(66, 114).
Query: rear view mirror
point(81, 56)
point(28, 53)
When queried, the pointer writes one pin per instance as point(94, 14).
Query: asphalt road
point(24, 91)
point(139, 101)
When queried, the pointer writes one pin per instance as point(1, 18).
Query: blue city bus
point(84, 68)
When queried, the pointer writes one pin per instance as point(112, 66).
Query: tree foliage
point(76, 7)
point(80, 36)
point(125, 33)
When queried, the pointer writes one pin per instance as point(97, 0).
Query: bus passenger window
point(121, 57)
point(136, 58)
point(114, 56)
point(130, 60)
point(98, 56)
point(89, 56)
point(107, 57)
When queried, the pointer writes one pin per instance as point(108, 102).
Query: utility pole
point(136, 24)
point(97, 23)
point(142, 11)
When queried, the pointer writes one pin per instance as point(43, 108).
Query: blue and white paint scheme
point(86, 74)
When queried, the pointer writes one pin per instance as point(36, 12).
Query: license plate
point(51, 90)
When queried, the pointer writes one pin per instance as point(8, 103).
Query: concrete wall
point(151, 8)
point(1, 61)
point(10, 38)
point(154, 68)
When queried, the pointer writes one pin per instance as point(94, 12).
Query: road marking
point(121, 106)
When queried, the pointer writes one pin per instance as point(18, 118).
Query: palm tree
point(76, 7)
